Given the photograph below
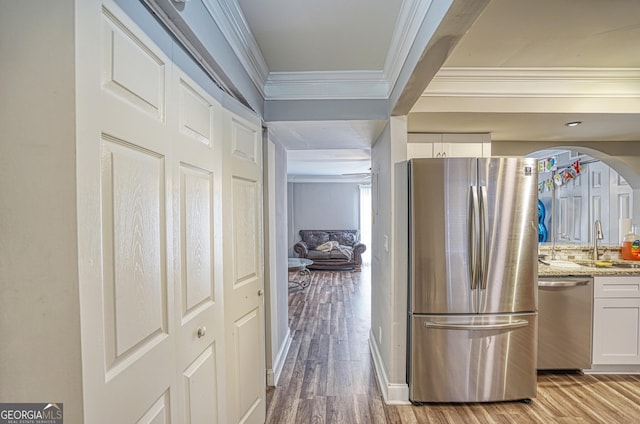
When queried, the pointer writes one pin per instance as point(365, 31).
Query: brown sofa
point(339, 249)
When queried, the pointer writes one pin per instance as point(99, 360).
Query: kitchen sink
point(560, 264)
point(608, 264)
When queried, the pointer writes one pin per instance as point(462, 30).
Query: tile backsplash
point(573, 252)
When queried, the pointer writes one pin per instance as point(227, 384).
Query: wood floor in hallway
point(328, 375)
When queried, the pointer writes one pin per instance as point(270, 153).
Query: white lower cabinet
point(616, 321)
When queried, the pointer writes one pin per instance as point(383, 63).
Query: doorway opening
point(576, 189)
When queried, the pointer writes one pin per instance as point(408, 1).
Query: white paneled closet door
point(195, 120)
point(128, 334)
point(243, 270)
point(149, 230)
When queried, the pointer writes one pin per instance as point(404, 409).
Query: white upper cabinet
point(430, 145)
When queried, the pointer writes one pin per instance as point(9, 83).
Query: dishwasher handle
point(556, 283)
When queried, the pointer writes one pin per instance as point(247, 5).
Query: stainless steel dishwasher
point(565, 310)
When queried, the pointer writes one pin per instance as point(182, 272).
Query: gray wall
point(322, 206)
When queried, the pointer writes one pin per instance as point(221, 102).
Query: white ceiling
point(522, 70)
point(553, 33)
point(322, 35)
point(527, 67)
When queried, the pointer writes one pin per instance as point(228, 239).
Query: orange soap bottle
point(631, 245)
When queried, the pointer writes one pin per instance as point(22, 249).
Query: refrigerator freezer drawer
point(471, 358)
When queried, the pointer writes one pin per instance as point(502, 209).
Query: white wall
point(389, 261)
point(281, 244)
point(323, 206)
point(277, 311)
point(381, 265)
point(40, 319)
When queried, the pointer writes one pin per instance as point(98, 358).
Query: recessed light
point(573, 124)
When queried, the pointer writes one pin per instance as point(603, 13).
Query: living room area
point(329, 210)
point(329, 223)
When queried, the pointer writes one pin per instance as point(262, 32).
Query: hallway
point(328, 375)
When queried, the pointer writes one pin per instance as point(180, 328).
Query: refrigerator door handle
point(509, 325)
point(484, 229)
point(473, 228)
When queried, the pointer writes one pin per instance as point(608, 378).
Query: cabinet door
point(448, 150)
point(466, 145)
point(616, 331)
point(428, 145)
point(423, 145)
point(461, 150)
point(420, 150)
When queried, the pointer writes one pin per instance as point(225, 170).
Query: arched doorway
point(576, 187)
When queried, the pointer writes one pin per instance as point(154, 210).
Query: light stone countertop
point(582, 256)
point(546, 270)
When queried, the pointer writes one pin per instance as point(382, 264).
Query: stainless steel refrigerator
point(473, 235)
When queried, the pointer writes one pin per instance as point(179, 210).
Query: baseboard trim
point(392, 393)
point(613, 369)
point(273, 374)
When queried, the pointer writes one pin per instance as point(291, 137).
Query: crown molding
point(535, 82)
point(318, 85)
point(231, 21)
point(354, 84)
point(314, 85)
point(411, 16)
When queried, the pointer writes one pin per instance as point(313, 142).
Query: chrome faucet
point(597, 235)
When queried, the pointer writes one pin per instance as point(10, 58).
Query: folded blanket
point(346, 251)
point(328, 246)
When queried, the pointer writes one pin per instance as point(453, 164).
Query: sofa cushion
point(314, 255)
point(341, 252)
point(345, 238)
point(316, 238)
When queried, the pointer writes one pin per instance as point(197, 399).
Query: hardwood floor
point(328, 375)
